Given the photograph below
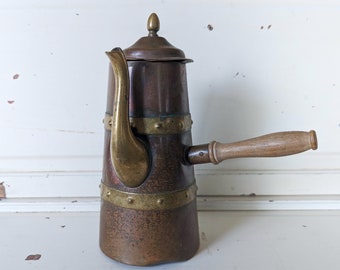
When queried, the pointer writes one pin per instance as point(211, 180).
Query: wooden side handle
point(270, 145)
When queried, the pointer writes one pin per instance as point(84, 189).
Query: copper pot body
point(147, 237)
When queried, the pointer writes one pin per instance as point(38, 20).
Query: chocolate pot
point(148, 190)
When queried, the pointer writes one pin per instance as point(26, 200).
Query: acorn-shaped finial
point(153, 25)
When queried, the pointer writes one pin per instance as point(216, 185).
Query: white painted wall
point(264, 67)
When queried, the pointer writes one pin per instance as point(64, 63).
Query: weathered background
point(259, 67)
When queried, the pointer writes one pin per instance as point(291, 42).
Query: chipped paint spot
point(268, 27)
point(10, 101)
point(33, 257)
point(249, 195)
point(16, 76)
point(204, 236)
point(238, 73)
point(2, 190)
point(210, 27)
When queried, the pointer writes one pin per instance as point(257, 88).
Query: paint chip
point(210, 27)
point(33, 257)
point(249, 195)
point(16, 76)
point(2, 191)
point(10, 101)
point(268, 27)
point(204, 236)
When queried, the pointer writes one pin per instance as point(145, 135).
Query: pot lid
point(154, 47)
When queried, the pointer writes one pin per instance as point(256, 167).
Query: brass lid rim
point(165, 59)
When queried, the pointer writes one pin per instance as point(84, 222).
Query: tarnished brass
point(153, 24)
point(154, 201)
point(128, 155)
point(156, 125)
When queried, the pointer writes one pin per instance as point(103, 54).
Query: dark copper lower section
point(138, 237)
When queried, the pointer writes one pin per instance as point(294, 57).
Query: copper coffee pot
point(148, 189)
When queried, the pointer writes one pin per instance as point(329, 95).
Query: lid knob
point(153, 25)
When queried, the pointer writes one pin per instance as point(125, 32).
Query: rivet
point(181, 125)
point(108, 193)
point(158, 125)
point(160, 201)
point(130, 200)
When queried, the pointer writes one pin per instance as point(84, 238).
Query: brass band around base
point(156, 125)
point(158, 201)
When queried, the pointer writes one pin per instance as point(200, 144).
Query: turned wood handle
point(270, 145)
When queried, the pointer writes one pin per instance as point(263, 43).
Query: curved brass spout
point(129, 156)
point(270, 145)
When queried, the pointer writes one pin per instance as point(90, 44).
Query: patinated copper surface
point(145, 237)
point(148, 237)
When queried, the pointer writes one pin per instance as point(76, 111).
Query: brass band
point(156, 125)
point(158, 201)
